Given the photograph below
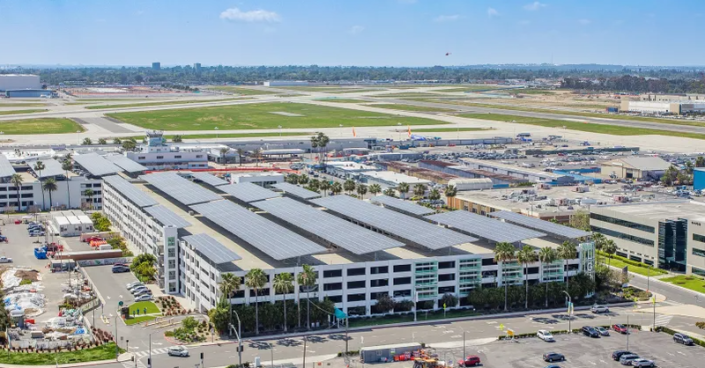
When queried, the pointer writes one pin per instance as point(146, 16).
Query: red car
point(470, 361)
point(621, 329)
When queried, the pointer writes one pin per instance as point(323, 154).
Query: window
point(624, 236)
point(378, 283)
point(356, 271)
point(402, 281)
point(27, 195)
point(199, 156)
point(172, 253)
point(488, 262)
point(625, 223)
point(177, 156)
point(446, 289)
point(160, 157)
point(356, 285)
point(446, 277)
point(698, 252)
point(333, 286)
point(698, 271)
point(336, 298)
point(356, 297)
point(378, 270)
point(533, 270)
point(450, 264)
point(698, 237)
point(402, 293)
point(375, 296)
point(172, 275)
point(332, 273)
point(402, 268)
point(172, 263)
point(140, 157)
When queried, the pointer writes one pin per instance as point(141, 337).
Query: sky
point(351, 32)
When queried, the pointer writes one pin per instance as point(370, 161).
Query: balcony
point(425, 271)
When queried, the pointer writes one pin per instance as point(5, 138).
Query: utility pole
point(570, 311)
point(304, 365)
point(117, 349)
point(464, 345)
point(628, 332)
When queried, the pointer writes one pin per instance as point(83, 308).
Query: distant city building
point(664, 106)
point(197, 67)
point(285, 83)
point(19, 82)
point(156, 65)
point(158, 155)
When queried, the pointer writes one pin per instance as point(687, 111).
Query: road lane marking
point(456, 336)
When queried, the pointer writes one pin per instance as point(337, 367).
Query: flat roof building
point(635, 167)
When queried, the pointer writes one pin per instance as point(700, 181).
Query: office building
point(197, 67)
point(156, 65)
point(156, 154)
point(285, 83)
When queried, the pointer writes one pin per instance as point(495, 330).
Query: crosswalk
point(142, 354)
point(663, 320)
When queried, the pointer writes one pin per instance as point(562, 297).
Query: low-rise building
point(634, 167)
point(263, 179)
point(159, 155)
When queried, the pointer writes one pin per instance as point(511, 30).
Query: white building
point(263, 179)
point(158, 155)
point(285, 83)
point(664, 107)
point(19, 81)
point(70, 223)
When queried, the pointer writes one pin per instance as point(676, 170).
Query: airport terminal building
point(200, 226)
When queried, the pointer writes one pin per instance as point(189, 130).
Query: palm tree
point(419, 190)
point(525, 256)
point(102, 141)
point(314, 185)
point(38, 167)
point(610, 248)
point(504, 252)
point(240, 155)
point(403, 188)
point(16, 180)
point(229, 284)
point(599, 240)
point(336, 188)
point(292, 179)
point(566, 251)
point(67, 165)
point(325, 186)
point(547, 256)
point(322, 143)
point(375, 189)
point(50, 186)
point(434, 195)
point(389, 192)
point(307, 279)
point(224, 151)
point(258, 155)
point(255, 280)
point(283, 284)
point(314, 144)
point(349, 186)
point(89, 193)
point(303, 179)
point(451, 191)
point(700, 161)
point(362, 190)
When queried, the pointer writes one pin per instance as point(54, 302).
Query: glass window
point(356, 297)
point(624, 236)
point(402, 268)
point(698, 237)
point(377, 270)
point(625, 223)
point(698, 252)
point(356, 285)
point(402, 281)
point(356, 271)
point(449, 264)
point(332, 273)
point(378, 283)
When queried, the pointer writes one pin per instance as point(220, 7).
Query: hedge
point(559, 332)
point(633, 263)
point(671, 332)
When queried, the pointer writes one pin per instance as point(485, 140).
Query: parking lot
point(111, 286)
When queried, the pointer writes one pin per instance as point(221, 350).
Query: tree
point(307, 279)
point(683, 178)
point(283, 284)
point(385, 303)
point(403, 189)
point(38, 167)
point(189, 323)
point(143, 266)
point(314, 185)
point(320, 141)
point(303, 179)
point(504, 252)
point(240, 155)
point(325, 186)
point(670, 176)
point(700, 161)
point(451, 191)
point(546, 257)
point(525, 256)
point(16, 180)
point(223, 151)
point(599, 240)
point(610, 248)
point(67, 165)
point(176, 139)
point(375, 189)
point(336, 188)
point(566, 252)
point(292, 179)
point(89, 193)
point(419, 190)
point(129, 145)
point(389, 192)
point(117, 141)
point(689, 167)
point(362, 190)
point(434, 195)
point(50, 186)
point(102, 141)
point(258, 155)
point(580, 220)
point(87, 142)
point(314, 144)
point(229, 283)
point(448, 300)
point(255, 280)
point(349, 186)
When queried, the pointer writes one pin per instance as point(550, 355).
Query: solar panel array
point(297, 191)
point(6, 168)
point(248, 192)
point(485, 227)
point(130, 191)
point(179, 188)
point(406, 227)
point(211, 248)
point(538, 224)
point(51, 168)
point(270, 238)
point(96, 164)
point(402, 205)
point(125, 163)
point(167, 217)
point(208, 178)
point(333, 229)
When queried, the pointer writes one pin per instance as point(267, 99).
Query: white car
point(4, 259)
point(134, 284)
point(138, 290)
point(599, 309)
point(643, 363)
point(144, 298)
point(545, 336)
point(178, 350)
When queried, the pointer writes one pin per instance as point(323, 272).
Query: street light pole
point(464, 345)
point(570, 311)
point(117, 348)
point(239, 338)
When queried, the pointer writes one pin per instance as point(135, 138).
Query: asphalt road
point(674, 294)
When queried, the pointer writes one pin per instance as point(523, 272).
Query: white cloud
point(446, 18)
point(534, 6)
point(492, 12)
point(584, 22)
point(258, 15)
point(356, 29)
point(524, 22)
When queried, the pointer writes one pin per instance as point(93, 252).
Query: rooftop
point(662, 210)
point(642, 163)
point(393, 177)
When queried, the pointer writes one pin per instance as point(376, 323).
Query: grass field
point(572, 125)
point(151, 307)
point(533, 91)
point(620, 262)
point(340, 100)
point(225, 135)
point(689, 282)
point(471, 88)
point(162, 103)
point(20, 104)
point(352, 90)
point(241, 90)
point(411, 108)
point(18, 112)
point(40, 126)
point(448, 130)
point(104, 352)
point(262, 116)
point(411, 94)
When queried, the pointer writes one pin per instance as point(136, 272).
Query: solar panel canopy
point(538, 224)
point(297, 191)
point(208, 178)
point(179, 188)
point(167, 217)
point(51, 168)
point(270, 238)
point(333, 229)
point(402, 205)
point(485, 227)
point(248, 192)
point(96, 164)
point(212, 249)
point(6, 168)
point(125, 163)
point(130, 191)
point(406, 227)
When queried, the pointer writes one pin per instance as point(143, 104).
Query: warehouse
point(664, 107)
point(11, 82)
point(285, 83)
point(638, 168)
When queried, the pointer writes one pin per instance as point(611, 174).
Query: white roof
point(395, 177)
point(61, 220)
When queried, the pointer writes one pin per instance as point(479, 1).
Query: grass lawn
point(412, 94)
point(224, 135)
point(40, 126)
point(532, 91)
point(689, 282)
point(262, 116)
point(16, 112)
point(448, 130)
point(340, 100)
point(471, 88)
point(79, 103)
point(644, 271)
point(104, 352)
point(584, 127)
point(411, 108)
point(20, 104)
point(139, 319)
point(241, 90)
point(352, 90)
point(420, 316)
point(185, 102)
point(151, 307)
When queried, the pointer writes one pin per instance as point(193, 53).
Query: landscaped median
point(103, 352)
point(558, 332)
point(689, 282)
point(671, 332)
point(633, 266)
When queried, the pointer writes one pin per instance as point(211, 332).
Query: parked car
point(134, 284)
point(144, 298)
point(142, 292)
point(179, 350)
point(643, 363)
point(552, 366)
point(603, 331)
point(545, 336)
point(599, 309)
point(553, 357)
point(4, 259)
point(618, 354)
point(627, 359)
point(590, 331)
point(682, 339)
point(621, 329)
point(3, 238)
point(120, 269)
point(469, 361)
point(138, 289)
point(36, 233)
